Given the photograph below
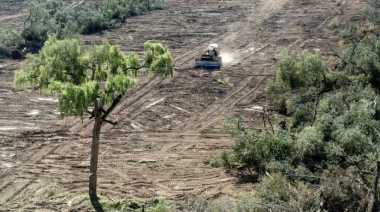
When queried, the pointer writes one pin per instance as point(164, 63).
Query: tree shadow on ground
point(96, 204)
point(247, 178)
point(244, 176)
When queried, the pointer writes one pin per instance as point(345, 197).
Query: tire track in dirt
point(19, 185)
point(25, 175)
point(213, 112)
point(134, 105)
point(142, 165)
point(124, 170)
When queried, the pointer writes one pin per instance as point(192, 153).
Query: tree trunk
point(95, 147)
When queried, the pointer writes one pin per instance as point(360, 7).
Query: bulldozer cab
point(212, 50)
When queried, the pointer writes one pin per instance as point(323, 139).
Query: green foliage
point(297, 78)
point(304, 70)
point(154, 205)
point(344, 189)
point(302, 116)
point(254, 149)
point(79, 74)
point(359, 59)
point(67, 20)
point(277, 193)
point(158, 59)
point(40, 23)
point(214, 161)
point(310, 148)
point(330, 145)
point(374, 3)
point(122, 9)
point(9, 41)
point(278, 94)
point(225, 81)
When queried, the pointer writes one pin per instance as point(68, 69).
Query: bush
point(277, 94)
point(311, 149)
point(253, 149)
point(297, 77)
point(359, 59)
point(304, 70)
point(277, 193)
point(154, 205)
point(344, 190)
point(10, 44)
point(303, 116)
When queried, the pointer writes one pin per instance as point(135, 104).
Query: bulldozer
point(211, 59)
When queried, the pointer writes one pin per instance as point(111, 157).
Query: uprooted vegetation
point(325, 154)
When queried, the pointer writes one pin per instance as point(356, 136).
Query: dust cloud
point(226, 58)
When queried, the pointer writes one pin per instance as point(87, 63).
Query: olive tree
point(90, 79)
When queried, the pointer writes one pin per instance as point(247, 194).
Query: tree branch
point(109, 122)
point(129, 68)
point(91, 113)
point(113, 105)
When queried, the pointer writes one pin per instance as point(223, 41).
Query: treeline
point(325, 154)
point(68, 20)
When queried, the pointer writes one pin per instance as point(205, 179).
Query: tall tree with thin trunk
point(90, 80)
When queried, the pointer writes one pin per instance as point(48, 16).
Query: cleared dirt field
point(166, 130)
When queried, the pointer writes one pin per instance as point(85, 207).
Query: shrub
point(302, 70)
point(154, 205)
point(297, 77)
point(344, 190)
point(303, 116)
point(360, 58)
point(253, 149)
point(277, 93)
point(277, 193)
point(311, 149)
point(10, 44)
point(214, 161)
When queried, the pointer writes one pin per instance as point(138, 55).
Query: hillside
point(166, 130)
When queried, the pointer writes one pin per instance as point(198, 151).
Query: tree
point(90, 77)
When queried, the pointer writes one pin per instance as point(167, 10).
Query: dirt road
point(166, 130)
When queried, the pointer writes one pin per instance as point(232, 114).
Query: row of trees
point(326, 155)
point(68, 20)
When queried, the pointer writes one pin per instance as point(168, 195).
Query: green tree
point(67, 20)
point(90, 77)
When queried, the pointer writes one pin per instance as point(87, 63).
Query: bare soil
point(166, 130)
